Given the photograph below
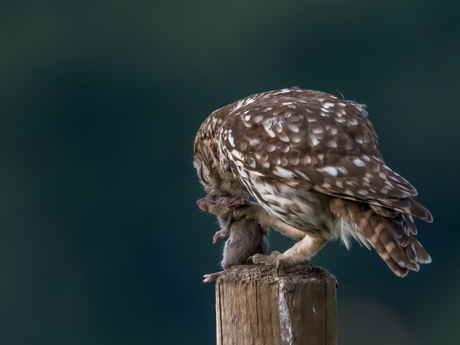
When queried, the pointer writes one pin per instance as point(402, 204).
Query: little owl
point(311, 164)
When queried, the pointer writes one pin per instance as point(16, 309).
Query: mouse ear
point(236, 201)
point(203, 204)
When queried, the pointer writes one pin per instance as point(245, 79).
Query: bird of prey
point(311, 165)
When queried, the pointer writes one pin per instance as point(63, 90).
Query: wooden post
point(256, 306)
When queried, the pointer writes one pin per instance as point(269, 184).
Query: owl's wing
point(312, 140)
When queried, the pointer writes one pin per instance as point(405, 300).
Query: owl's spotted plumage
point(312, 162)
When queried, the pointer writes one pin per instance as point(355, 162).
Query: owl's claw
point(276, 259)
point(265, 259)
point(272, 260)
point(280, 264)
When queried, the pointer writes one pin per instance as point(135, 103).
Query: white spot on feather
point(231, 140)
point(358, 162)
point(293, 128)
point(237, 154)
point(256, 173)
point(243, 103)
point(278, 171)
point(270, 147)
point(314, 141)
point(258, 118)
point(284, 148)
point(342, 170)
point(276, 199)
point(269, 131)
point(278, 127)
point(254, 142)
point(268, 127)
point(294, 161)
point(330, 170)
point(282, 91)
point(301, 174)
point(283, 137)
point(296, 139)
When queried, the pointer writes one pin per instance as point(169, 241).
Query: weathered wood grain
point(256, 306)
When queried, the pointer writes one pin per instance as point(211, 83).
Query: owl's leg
point(267, 220)
point(273, 260)
point(304, 250)
point(300, 253)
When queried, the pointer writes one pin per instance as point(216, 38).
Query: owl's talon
point(279, 265)
point(307, 264)
point(271, 260)
point(262, 259)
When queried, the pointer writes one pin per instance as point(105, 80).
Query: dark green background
point(101, 241)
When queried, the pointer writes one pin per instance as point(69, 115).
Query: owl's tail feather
point(392, 237)
point(408, 206)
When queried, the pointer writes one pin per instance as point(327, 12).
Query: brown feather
point(390, 237)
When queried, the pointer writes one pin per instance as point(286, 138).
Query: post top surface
point(267, 275)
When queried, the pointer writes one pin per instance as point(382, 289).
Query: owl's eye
point(212, 203)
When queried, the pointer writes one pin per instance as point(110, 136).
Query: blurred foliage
point(101, 241)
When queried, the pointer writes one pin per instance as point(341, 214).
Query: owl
point(310, 164)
